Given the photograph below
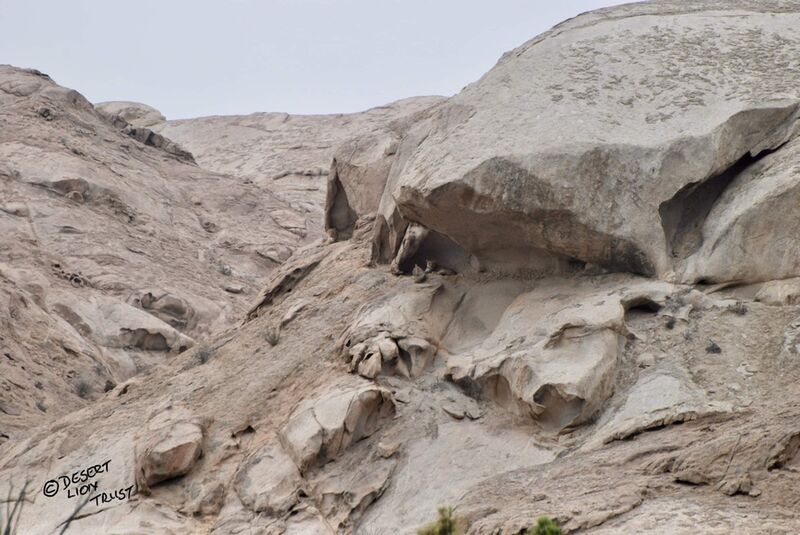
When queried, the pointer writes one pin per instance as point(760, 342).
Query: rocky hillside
point(286, 155)
point(573, 289)
point(118, 251)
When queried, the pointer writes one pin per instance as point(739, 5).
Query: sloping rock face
point(147, 136)
point(135, 113)
point(116, 250)
point(621, 139)
point(361, 167)
point(512, 315)
point(286, 155)
point(294, 441)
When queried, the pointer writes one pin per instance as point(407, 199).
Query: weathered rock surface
point(644, 139)
point(400, 335)
point(287, 155)
point(146, 136)
point(116, 248)
point(93, 220)
point(552, 357)
point(570, 290)
point(321, 429)
point(361, 166)
point(135, 113)
point(780, 292)
point(658, 399)
point(171, 453)
point(269, 481)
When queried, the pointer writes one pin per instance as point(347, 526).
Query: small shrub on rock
point(740, 309)
point(83, 389)
point(545, 526)
point(204, 354)
point(445, 525)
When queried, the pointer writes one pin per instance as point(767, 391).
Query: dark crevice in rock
point(413, 237)
point(509, 234)
point(784, 454)
point(387, 236)
point(340, 218)
point(468, 386)
point(405, 359)
point(439, 250)
point(751, 135)
point(641, 305)
point(683, 216)
point(558, 410)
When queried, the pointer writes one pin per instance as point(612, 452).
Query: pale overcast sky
point(190, 58)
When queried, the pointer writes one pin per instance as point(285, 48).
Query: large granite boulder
point(620, 139)
point(322, 428)
point(361, 166)
point(135, 113)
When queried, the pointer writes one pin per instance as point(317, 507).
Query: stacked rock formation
point(570, 290)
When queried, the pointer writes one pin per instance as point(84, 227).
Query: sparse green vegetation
point(545, 526)
point(83, 388)
point(445, 525)
point(204, 354)
point(740, 309)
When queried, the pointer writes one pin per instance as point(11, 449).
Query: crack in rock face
point(321, 430)
point(590, 190)
point(269, 482)
point(568, 290)
point(581, 219)
point(560, 374)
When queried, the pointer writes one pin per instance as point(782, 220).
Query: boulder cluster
point(572, 289)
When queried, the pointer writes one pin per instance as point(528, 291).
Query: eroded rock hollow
point(570, 290)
